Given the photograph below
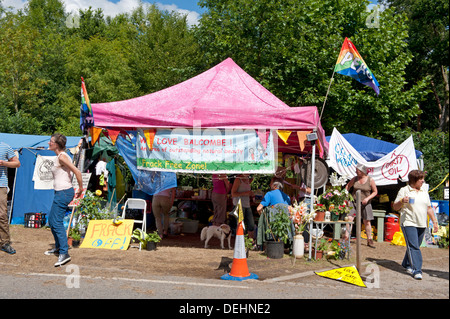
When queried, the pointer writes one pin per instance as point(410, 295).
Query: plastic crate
point(34, 220)
point(189, 226)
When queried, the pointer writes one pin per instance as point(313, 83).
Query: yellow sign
point(347, 274)
point(107, 235)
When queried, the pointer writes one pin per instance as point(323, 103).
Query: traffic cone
point(239, 269)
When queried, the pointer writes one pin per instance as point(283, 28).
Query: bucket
point(391, 226)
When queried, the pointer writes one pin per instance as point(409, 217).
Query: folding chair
point(137, 203)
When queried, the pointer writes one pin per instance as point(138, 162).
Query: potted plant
point(337, 251)
point(74, 237)
point(278, 229)
point(249, 242)
point(147, 240)
point(323, 246)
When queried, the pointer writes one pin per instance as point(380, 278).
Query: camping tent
point(25, 198)
point(225, 97)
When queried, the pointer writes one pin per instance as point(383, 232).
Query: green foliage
point(92, 207)
point(434, 145)
point(291, 47)
point(144, 238)
point(279, 226)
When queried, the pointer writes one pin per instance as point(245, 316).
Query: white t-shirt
point(414, 214)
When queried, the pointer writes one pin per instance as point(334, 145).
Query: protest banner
point(205, 151)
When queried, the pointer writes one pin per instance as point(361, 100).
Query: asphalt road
point(225, 297)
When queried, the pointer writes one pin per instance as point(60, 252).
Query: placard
point(86, 177)
point(104, 234)
point(347, 274)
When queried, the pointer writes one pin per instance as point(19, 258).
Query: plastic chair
point(137, 203)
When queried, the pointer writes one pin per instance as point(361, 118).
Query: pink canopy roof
point(224, 96)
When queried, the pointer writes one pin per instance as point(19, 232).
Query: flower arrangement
point(300, 216)
point(336, 199)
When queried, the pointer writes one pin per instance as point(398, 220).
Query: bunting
point(284, 135)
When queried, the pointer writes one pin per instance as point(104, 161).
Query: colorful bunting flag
point(263, 137)
point(351, 63)
point(284, 135)
point(95, 134)
point(302, 138)
point(150, 136)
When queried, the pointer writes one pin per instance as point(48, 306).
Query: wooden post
point(358, 230)
point(70, 222)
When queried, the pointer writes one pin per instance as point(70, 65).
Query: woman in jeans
point(62, 170)
point(414, 205)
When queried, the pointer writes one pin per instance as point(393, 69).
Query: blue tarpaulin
point(370, 148)
point(17, 141)
point(150, 182)
point(27, 199)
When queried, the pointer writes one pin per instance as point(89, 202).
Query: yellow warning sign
point(346, 274)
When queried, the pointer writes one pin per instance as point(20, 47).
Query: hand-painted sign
point(205, 151)
point(347, 274)
point(107, 235)
point(343, 158)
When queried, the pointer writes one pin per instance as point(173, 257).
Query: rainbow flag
point(351, 63)
point(86, 115)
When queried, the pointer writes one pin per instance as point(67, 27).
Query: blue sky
point(113, 7)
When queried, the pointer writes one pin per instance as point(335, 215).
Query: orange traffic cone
point(239, 269)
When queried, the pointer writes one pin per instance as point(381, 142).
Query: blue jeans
point(413, 256)
point(56, 216)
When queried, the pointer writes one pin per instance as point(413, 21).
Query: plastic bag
point(398, 239)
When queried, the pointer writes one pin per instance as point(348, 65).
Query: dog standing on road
point(222, 232)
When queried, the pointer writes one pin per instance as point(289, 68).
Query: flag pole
point(328, 91)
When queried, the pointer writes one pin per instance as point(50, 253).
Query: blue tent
point(18, 141)
point(26, 199)
point(370, 148)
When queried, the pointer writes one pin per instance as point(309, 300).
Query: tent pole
point(12, 197)
point(328, 91)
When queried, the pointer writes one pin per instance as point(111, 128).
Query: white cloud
point(110, 8)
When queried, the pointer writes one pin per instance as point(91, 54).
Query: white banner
point(343, 158)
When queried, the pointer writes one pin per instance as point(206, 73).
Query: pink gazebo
point(225, 97)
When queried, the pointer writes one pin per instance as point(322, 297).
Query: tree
point(291, 48)
point(20, 83)
point(164, 51)
point(428, 26)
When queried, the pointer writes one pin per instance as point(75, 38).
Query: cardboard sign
point(86, 177)
point(346, 274)
point(105, 234)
